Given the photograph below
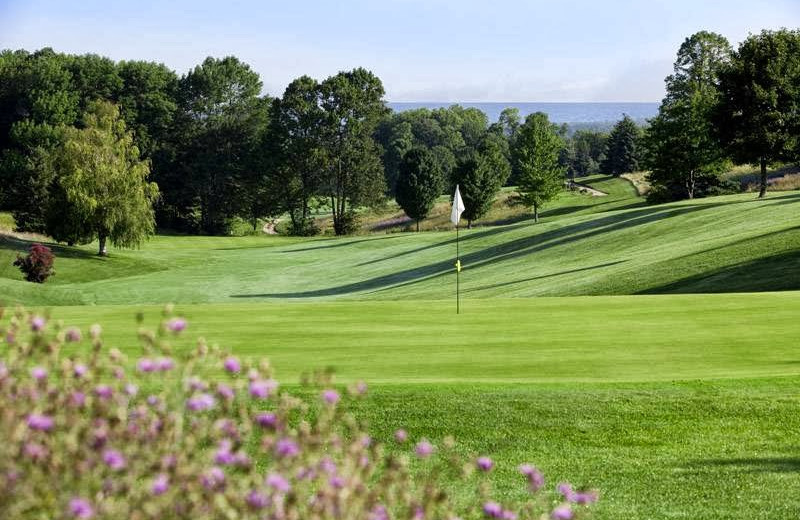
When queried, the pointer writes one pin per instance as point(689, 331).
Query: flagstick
point(458, 273)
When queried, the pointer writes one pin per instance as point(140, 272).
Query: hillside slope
point(722, 244)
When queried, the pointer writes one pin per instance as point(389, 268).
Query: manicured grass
point(678, 406)
point(721, 244)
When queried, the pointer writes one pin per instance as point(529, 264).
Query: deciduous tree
point(536, 154)
point(419, 184)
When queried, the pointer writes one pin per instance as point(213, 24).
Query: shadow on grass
point(507, 250)
point(60, 251)
point(544, 276)
point(340, 243)
point(754, 464)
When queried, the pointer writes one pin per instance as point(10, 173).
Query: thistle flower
point(160, 484)
point(201, 402)
point(267, 420)
point(103, 391)
point(257, 500)
point(263, 388)
point(114, 459)
point(287, 448)
point(79, 370)
point(213, 479)
point(38, 373)
point(562, 513)
point(423, 449)
point(37, 323)
point(232, 365)
point(165, 364)
point(330, 396)
point(278, 482)
point(535, 477)
point(484, 463)
point(226, 392)
point(81, 508)
point(400, 435)
point(73, 335)
point(77, 399)
point(40, 422)
point(493, 510)
point(146, 365)
point(177, 325)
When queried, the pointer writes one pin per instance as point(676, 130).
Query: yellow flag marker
point(458, 266)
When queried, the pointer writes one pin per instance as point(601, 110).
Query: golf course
point(646, 351)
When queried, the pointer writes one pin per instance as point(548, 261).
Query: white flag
point(458, 207)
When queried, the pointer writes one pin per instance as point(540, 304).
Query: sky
point(423, 50)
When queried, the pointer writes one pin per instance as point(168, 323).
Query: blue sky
point(423, 50)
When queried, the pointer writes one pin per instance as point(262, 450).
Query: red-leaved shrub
point(37, 265)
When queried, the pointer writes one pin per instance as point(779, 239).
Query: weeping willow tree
point(101, 189)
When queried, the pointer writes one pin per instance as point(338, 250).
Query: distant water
point(570, 113)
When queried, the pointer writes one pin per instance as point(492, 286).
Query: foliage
point(101, 187)
point(622, 153)
point(480, 174)
point(419, 184)
point(37, 265)
point(536, 154)
point(353, 105)
point(97, 436)
point(759, 111)
point(686, 155)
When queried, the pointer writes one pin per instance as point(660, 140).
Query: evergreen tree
point(419, 184)
point(480, 174)
point(622, 148)
point(536, 154)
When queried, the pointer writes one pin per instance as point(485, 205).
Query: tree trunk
point(763, 191)
point(469, 224)
point(535, 213)
point(690, 185)
point(417, 226)
point(102, 249)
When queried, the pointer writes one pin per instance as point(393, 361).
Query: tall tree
point(298, 159)
point(622, 148)
point(419, 184)
point(759, 113)
point(685, 153)
point(480, 173)
point(353, 105)
point(220, 124)
point(101, 187)
point(536, 154)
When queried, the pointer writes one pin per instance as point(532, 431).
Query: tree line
point(196, 152)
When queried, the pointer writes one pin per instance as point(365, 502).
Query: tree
point(480, 173)
point(419, 184)
point(759, 111)
point(220, 124)
point(353, 105)
point(101, 184)
point(295, 145)
point(536, 154)
point(685, 153)
point(622, 154)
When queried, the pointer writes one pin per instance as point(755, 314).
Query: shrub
point(37, 265)
point(88, 433)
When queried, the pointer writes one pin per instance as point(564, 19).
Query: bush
point(37, 265)
point(91, 434)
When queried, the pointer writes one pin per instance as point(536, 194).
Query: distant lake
point(570, 113)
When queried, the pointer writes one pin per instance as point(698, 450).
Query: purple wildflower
point(286, 448)
point(493, 510)
point(224, 455)
point(160, 484)
point(484, 463)
point(38, 373)
point(43, 423)
point(267, 420)
point(257, 500)
point(37, 323)
point(3, 370)
point(165, 364)
point(77, 399)
point(114, 459)
point(278, 483)
point(73, 335)
point(232, 364)
point(225, 392)
point(562, 513)
point(131, 389)
point(263, 388)
point(587, 497)
point(152, 400)
point(361, 388)
point(565, 488)
point(535, 477)
point(81, 508)
point(176, 325)
point(378, 512)
point(201, 402)
point(330, 396)
point(327, 465)
point(35, 451)
point(103, 391)
point(508, 515)
point(146, 365)
point(79, 370)
point(423, 449)
point(213, 479)
point(401, 435)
